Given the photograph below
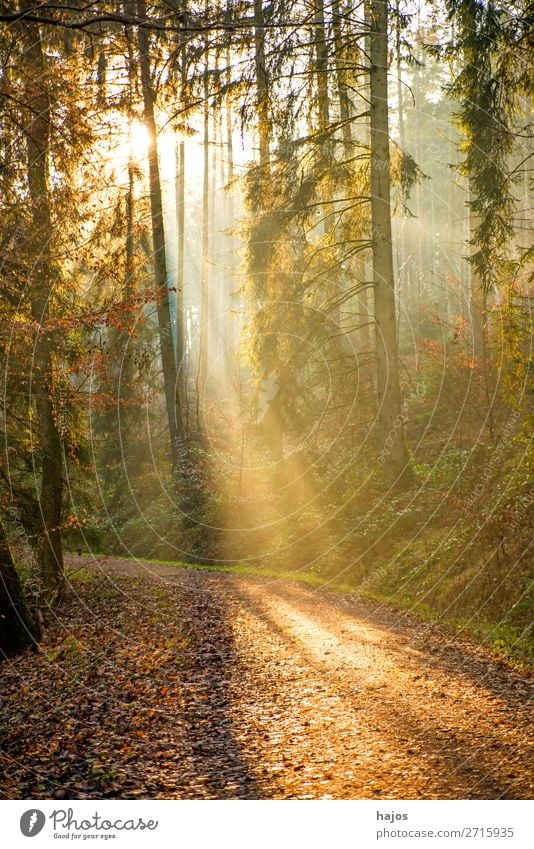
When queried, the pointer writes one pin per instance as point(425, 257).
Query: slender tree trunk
point(180, 257)
point(388, 384)
point(181, 340)
point(345, 108)
point(168, 359)
point(262, 83)
point(229, 135)
point(477, 302)
point(321, 68)
point(479, 330)
point(42, 285)
point(419, 288)
point(122, 444)
point(526, 224)
point(129, 414)
point(332, 287)
point(453, 308)
point(204, 283)
point(398, 61)
point(400, 114)
point(217, 224)
point(129, 269)
point(18, 631)
point(230, 239)
point(366, 296)
point(122, 343)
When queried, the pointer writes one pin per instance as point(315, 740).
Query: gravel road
point(312, 694)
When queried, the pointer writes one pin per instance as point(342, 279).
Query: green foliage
point(405, 174)
point(494, 71)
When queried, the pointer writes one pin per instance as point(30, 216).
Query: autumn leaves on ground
point(159, 682)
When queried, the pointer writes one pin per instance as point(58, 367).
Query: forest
point(267, 398)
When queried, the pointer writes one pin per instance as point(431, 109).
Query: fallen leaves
point(194, 690)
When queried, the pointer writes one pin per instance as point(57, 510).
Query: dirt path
point(273, 690)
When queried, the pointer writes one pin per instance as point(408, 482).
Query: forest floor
point(159, 682)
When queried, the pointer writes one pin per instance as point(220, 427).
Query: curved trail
point(196, 684)
point(323, 696)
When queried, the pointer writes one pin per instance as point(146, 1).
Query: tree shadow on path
point(215, 760)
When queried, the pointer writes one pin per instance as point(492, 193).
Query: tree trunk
point(18, 630)
point(181, 340)
point(127, 369)
point(168, 359)
point(477, 299)
point(479, 329)
point(262, 83)
point(388, 386)
point(365, 306)
point(127, 419)
point(332, 283)
point(217, 222)
point(419, 287)
point(204, 282)
point(321, 69)
point(230, 260)
point(400, 113)
point(398, 61)
point(180, 257)
point(42, 285)
point(345, 107)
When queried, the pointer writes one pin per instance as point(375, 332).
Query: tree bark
point(332, 282)
point(479, 328)
point(390, 422)
point(204, 282)
point(168, 359)
point(50, 551)
point(418, 99)
point(180, 229)
point(321, 68)
point(230, 261)
point(398, 61)
point(345, 107)
point(365, 298)
point(399, 256)
point(180, 256)
point(262, 82)
point(477, 300)
point(18, 630)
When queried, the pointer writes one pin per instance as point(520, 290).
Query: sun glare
point(129, 142)
point(138, 139)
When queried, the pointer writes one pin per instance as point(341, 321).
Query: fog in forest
point(267, 295)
